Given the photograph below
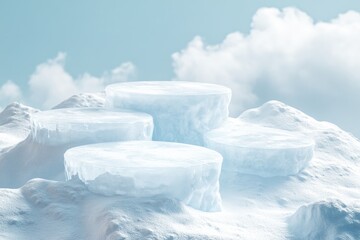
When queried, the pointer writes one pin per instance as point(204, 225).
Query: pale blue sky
point(99, 35)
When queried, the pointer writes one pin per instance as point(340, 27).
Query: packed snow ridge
point(149, 168)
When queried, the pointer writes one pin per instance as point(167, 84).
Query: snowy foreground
point(310, 190)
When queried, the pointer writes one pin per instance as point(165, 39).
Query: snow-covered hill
point(292, 207)
point(83, 100)
point(14, 124)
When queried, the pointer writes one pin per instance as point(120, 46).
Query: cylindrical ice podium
point(146, 168)
point(77, 126)
point(254, 149)
point(182, 111)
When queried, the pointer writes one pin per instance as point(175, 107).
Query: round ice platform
point(253, 149)
point(182, 111)
point(146, 168)
point(76, 126)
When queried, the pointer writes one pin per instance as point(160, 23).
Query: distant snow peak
point(83, 100)
point(279, 115)
point(16, 111)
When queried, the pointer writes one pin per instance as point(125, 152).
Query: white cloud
point(10, 92)
point(285, 56)
point(51, 83)
point(124, 72)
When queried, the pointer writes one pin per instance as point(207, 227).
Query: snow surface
point(182, 111)
point(253, 207)
point(330, 219)
point(254, 149)
point(83, 100)
point(14, 124)
point(148, 168)
point(75, 126)
point(43, 209)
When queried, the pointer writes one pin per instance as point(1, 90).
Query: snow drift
point(14, 124)
point(326, 220)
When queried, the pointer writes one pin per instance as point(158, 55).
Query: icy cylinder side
point(147, 168)
point(182, 111)
point(77, 126)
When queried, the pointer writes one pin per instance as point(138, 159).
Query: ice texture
point(254, 149)
point(182, 111)
point(76, 126)
point(147, 168)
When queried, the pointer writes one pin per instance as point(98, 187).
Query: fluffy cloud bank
point(51, 83)
point(285, 56)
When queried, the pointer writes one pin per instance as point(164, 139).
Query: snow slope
point(14, 124)
point(330, 219)
point(253, 207)
point(83, 100)
point(52, 210)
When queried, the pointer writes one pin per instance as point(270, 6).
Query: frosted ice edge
point(257, 150)
point(146, 168)
point(182, 111)
point(76, 126)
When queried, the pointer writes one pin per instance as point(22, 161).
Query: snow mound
point(182, 111)
point(146, 168)
point(326, 220)
point(43, 209)
point(76, 126)
point(328, 137)
point(16, 113)
point(279, 115)
point(253, 149)
point(83, 100)
point(14, 124)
